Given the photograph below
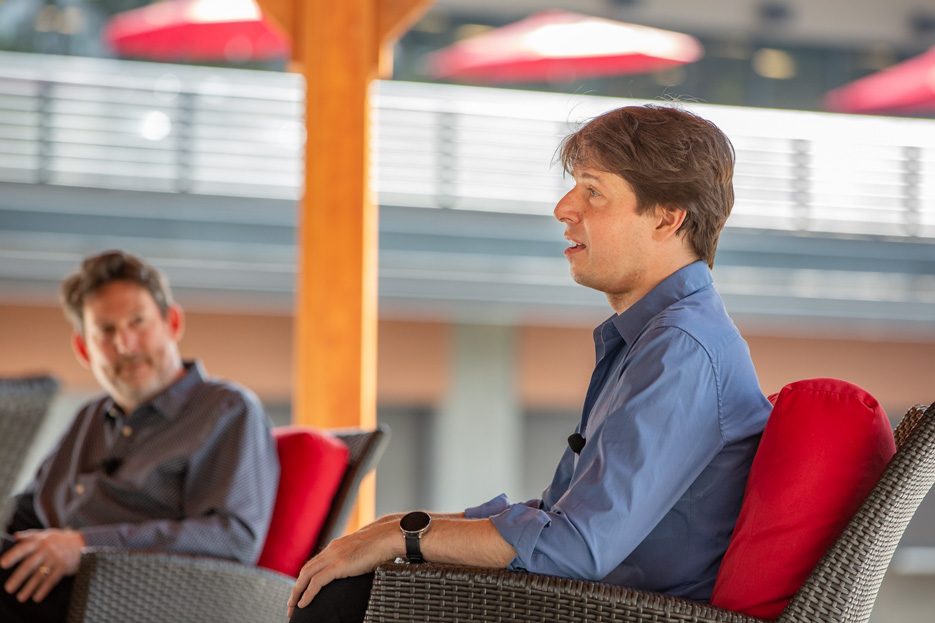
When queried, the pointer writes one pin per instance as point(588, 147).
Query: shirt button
point(79, 489)
point(126, 431)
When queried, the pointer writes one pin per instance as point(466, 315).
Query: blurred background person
point(168, 459)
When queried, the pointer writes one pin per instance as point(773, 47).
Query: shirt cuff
point(520, 526)
point(485, 510)
point(101, 536)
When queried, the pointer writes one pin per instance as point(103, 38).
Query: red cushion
point(824, 447)
point(312, 464)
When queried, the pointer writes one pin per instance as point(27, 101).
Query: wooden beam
point(288, 14)
point(337, 46)
point(335, 349)
point(395, 17)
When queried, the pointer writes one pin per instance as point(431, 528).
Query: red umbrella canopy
point(557, 45)
point(193, 30)
point(903, 88)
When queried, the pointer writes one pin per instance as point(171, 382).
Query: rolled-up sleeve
point(485, 510)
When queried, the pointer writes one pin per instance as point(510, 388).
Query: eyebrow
point(137, 311)
point(586, 176)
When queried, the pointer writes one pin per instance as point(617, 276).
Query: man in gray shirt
point(168, 460)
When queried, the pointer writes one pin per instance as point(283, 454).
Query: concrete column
point(476, 435)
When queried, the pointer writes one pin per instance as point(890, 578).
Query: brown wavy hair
point(670, 157)
point(99, 270)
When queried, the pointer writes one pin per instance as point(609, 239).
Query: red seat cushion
point(824, 447)
point(312, 464)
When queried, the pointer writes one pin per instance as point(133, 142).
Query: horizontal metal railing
point(489, 149)
point(178, 129)
point(139, 126)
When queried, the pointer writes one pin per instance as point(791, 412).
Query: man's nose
point(125, 340)
point(565, 210)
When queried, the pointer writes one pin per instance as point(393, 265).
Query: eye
point(593, 193)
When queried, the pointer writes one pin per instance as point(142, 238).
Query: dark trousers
point(52, 609)
point(341, 601)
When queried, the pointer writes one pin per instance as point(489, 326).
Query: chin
point(583, 280)
point(137, 392)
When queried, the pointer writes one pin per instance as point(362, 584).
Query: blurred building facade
point(767, 53)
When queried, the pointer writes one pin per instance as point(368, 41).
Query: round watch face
point(415, 521)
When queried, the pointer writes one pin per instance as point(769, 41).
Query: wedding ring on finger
point(44, 570)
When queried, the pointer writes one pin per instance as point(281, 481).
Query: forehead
point(118, 298)
point(585, 173)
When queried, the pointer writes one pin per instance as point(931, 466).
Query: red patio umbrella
point(903, 88)
point(197, 30)
point(559, 45)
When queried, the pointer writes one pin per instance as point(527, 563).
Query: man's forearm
point(473, 542)
point(454, 539)
point(217, 536)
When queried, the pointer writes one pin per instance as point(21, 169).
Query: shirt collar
point(170, 401)
point(675, 287)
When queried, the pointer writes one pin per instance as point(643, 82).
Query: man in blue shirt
point(650, 487)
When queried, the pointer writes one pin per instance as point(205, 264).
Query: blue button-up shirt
point(671, 420)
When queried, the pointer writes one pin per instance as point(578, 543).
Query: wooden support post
point(337, 46)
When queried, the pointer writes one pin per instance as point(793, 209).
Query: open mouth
point(574, 247)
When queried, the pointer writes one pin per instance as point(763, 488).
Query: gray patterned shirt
point(194, 470)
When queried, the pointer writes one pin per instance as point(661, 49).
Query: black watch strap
point(414, 548)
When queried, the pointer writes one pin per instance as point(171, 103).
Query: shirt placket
point(86, 481)
point(611, 344)
point(125, 433)
point(123, 437)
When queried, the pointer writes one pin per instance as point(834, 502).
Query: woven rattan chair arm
point(908, 423)
point(148, 587)
point(431, 592)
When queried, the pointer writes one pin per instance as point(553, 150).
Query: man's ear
point(175, 318)
point(668, 222)
point(80, 347)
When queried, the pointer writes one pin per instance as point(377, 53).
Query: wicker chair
point(24, 405)
point(840, 589)
point(148, 587)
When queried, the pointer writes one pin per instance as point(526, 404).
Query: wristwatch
point(413, 525)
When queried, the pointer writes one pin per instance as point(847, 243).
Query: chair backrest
point(366, 449)
point(321, 472)
point(844, 584)
point(24, 405)
point(312, 464)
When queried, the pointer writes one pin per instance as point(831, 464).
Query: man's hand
point(451, 539)
point(44, 558)
point(348, 556)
